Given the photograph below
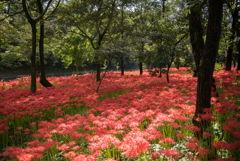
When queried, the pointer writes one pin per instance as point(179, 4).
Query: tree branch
point(181, 39)
point(84, 35)
point(26, 11)
point(11, 15)
point(53, 10)
point(41, 16)
point(110, 18)
point(110, 59)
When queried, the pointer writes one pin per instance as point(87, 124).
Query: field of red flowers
point(132, 117)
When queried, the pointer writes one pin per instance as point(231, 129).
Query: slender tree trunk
point(122, 67)
point(33, 59)
point(238, 48)
point(231, 45)
point(77, 69)
point(38, 65)
point(163, 7)
point(98, 71)
point(160, 70)
point(234, 63)
point(196, 33)
point(43, 79)
point(229, 56)
point(141, 70)
point(169, 66)
point(140, 64)
point(207, 64)
point(110, 60)
point(178, 64)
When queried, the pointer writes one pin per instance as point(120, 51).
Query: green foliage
point(71, 49)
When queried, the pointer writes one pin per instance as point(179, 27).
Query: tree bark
point(196, 33)
point(110, 60)
point(177, 63)
point(33, 59)
point(234, 62)
point(77, 69)
point(238, 48)
point(229, 55)
point(98, 71)
point(233, 31)
point(208, 59)
point(163, 7)
point(141, 70)
point(122, 67)
point(43, 79)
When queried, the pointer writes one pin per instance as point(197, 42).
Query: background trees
point(146, 31)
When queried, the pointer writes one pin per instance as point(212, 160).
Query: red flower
point(180, 136)
point(221, 145)
point(168, 141)
point(70, 155)
point(171, 153)
point(206, 134)
point(203, 152)
point(63, 147)
point(24, 157)
point(192, 146)
point(155, 155)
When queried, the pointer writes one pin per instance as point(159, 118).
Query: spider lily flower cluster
point(132, 117)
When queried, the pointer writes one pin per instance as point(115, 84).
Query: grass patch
point(110, 95)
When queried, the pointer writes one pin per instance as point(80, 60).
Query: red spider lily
point(63, 147)
point(206, 134)
point(24, 157)
point(180, 136)
point(171, 153)
point(103, 142)
point(70, 155)
point(192, 146)
point(85, 158)
point(71, 143)
point(192, 128)
point(221, 145)
point(168, 141)
point(203, 152)
point(134, 147)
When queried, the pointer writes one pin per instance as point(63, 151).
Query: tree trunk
point(110, 60)
point(160, 70)
point(141, 70)
point(208, 59)
point(140, 64)
point(122, 67)
point(98, 71)
point(43, 79)
point(238, 49)
point(33, 59)
point(229, 56)
point(77, 69)
point(196, 33)
point(163, 7)
point(233, 31)
point(234, 63)
point(177, 63)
